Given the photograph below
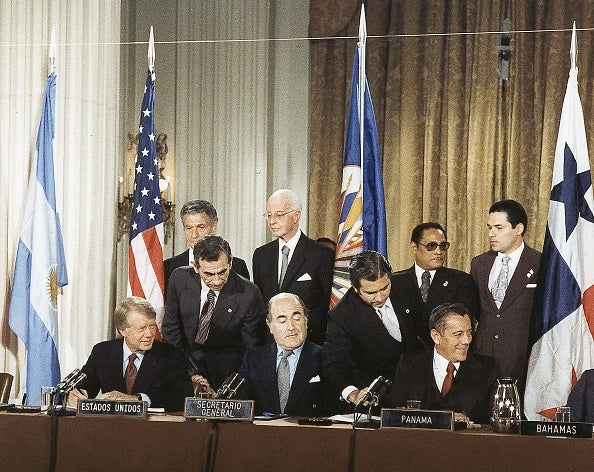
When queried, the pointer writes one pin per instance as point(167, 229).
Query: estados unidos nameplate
point(133, 409)
point(561, 430)
point(421, 419)
point(219, 409)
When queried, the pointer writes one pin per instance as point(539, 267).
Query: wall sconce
point(126, 184)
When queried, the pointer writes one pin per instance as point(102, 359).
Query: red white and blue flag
point(362, 220)
point(562, 327)
point(146, 276)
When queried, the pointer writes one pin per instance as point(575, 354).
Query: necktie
point(391, 323)
point(500, 285)
point(284, 379)
point(131, 373)
point(449, 378)
point(284, 263)
point(425, 283)
point(205, 316)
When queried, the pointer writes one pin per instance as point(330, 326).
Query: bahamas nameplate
point(561, 430)
point(133, 409)
point(219, 409)
point(421, 419)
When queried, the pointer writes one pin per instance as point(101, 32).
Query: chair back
point(5, 385)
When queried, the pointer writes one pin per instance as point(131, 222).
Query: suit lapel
point(297, 260)
point(269, 385)
point(483, 272)
point(519, 279)
point(303, 374)
point(150, 369)
point(226, 305)
point(114, 365)
point(464, 380)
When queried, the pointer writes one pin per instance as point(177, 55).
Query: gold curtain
point(452, 139)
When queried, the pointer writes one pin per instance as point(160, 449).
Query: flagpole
point(52, 53)
point(361, 91)
point(573, 49)
point(151, 51)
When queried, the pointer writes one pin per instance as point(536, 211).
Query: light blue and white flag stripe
point(40, 268)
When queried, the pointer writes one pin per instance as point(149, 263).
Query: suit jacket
point(581, 398)
point(503, 332)
point(448, 286)
point(471, 392)
point(309, 275)
point(163, 374)
point(358, 347)
point(181, 260)
point(259, 370)
point(238, 322)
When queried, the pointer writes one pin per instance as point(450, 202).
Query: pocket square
point(531, 286)
point(304, 277)
point(315, 379)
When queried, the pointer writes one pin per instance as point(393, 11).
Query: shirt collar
point(296, 351)
point(292, 243)
point(514, 255)
point(442, 362)
point(419, 273)
point(127, 352)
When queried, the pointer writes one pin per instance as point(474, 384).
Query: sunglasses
point(432, 246)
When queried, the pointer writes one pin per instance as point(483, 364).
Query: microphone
point(74, 382)
point(375, 391)
point(229, 387)
point(61, 385)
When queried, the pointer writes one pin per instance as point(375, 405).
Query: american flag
point(146, 277)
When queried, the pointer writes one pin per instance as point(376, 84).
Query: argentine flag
point(40, 268)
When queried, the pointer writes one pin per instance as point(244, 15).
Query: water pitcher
point(506, 413)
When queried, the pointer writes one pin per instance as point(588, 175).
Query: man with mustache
point(428, 283)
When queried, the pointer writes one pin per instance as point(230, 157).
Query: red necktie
point(449, 378)
point(131, 373)
point(205, 316)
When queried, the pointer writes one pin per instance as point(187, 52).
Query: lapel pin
point(407, 311)
point(530, 273)
point(445, 284)
point(229, 310)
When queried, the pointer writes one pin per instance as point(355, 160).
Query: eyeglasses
point(278, 215)
point(432, 246)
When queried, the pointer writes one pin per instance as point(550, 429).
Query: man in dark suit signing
point(447, 377)
point(428, 283)
point(284, 376)
point(506, 278)
point(137, 367)
point(367, 331)
point(199, 218)
point(294, 263)
point(211, 313)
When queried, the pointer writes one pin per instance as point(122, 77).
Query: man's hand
point(356, 395)
point(201, 385)
point(75, 395)
point(115, 395)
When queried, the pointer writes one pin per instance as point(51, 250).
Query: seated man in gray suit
point(448, 377)
point(211, 313)
point(284, 376)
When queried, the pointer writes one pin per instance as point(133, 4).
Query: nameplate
point(219, 409)
point(422, 419)
point(561, 430)
point(133, 409)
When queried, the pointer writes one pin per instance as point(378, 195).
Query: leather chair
point(5, 385)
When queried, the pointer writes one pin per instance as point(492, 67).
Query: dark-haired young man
point(506, 278)
point(367, 330)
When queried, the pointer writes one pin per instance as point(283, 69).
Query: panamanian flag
point(562, 327)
